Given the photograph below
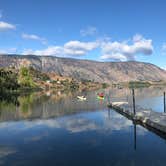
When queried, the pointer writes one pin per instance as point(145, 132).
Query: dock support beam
point(164, 103)
point(133, 94)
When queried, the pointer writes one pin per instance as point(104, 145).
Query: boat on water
point(81, 97)
point(100, 95)
point(100, 98)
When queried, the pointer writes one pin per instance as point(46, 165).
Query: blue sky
point(104, 30)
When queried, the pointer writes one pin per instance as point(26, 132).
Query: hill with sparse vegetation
point(86, 70)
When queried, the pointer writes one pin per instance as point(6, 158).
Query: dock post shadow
point(135, 136)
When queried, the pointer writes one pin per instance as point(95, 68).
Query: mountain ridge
point(108, 72)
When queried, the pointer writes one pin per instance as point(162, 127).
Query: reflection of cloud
point(5, 151)
point(75, 123)
point(36, 137)
point(116, 122)
point(141, 130)
point(78, 125)
point(26, 125)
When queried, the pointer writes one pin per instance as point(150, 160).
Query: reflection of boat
point(81, 97)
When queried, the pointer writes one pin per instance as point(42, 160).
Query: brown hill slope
point(88, 70)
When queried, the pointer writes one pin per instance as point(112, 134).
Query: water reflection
point(42, 105)
point(96, 138)
point(57, 129)
point(54, 104)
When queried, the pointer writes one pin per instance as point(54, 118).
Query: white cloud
point(123, 51)
point(137, 38)
point(89, 31)
point(81, 45)
point(119, 51)
point(34, 37)
point(71, 48)
point(6, 26)
point(116, 56)
point(51, 50)
point(79, 48)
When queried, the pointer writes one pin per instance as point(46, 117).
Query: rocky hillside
point(88, 70)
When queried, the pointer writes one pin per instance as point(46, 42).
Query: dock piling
point(133, 94)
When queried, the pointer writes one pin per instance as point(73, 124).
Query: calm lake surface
point(57, 129)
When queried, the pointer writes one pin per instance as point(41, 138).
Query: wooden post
point(133, 94)
point(164, 103)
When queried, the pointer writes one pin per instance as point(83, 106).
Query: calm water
point(57, 129)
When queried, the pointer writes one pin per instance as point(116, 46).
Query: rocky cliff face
point(88, 70)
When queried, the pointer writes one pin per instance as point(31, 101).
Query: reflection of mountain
point(50, 105)
point(41, 106)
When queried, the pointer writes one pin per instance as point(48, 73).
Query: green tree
point(25, 78)
point(8, 79)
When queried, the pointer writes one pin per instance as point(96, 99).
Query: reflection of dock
point(134, 130)
point(154, 121)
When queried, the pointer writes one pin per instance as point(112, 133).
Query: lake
point(57, 129)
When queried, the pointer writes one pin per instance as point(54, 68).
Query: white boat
point(81, 97)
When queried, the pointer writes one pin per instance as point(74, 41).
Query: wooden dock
point(154, 121)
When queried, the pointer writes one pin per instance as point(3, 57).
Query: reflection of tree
point(25, 105)
point(9, 97)
point(15, 107)
point(29, 102)
point(54, 104)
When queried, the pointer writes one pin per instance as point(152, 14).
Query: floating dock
point(155, 121)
